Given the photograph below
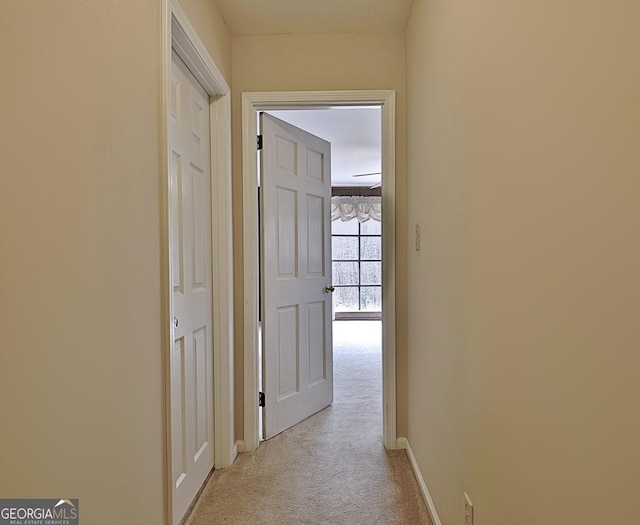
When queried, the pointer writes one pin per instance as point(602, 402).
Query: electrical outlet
point(468, 510)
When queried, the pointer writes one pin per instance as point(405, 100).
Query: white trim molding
point(179, 35)
point(222, 247)
point(193, 52)
point(403, 443)
point(251, 104)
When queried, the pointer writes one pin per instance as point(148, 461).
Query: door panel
point(317, 343)
point(190, 245)
point(178, 401)
point(315, 234)
point(287, 351)
point(287, 238)
point(295, 215)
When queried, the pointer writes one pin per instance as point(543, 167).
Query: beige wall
point(523, 162)
point(81, 375)
point(310, 63)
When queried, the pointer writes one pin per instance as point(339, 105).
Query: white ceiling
point(355, 135)
point(269, 17)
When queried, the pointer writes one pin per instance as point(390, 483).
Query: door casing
point(179, 34)
point(252, 102)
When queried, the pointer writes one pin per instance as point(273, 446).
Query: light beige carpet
point(329, 469)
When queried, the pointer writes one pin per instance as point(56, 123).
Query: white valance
point(364, 208)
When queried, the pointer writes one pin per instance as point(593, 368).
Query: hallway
point(332, 467)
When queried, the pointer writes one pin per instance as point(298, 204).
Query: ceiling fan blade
point(376, 185)
point(366, 174)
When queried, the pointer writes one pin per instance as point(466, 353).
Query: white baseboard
point(239, 446)
point(403, 443)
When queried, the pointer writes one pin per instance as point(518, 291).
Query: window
point(356, 252)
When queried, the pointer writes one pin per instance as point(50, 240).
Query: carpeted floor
point(329, 469)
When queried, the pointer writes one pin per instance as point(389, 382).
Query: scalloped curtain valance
point(362, 208)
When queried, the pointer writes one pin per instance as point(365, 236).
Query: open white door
point(296, 270)
point(190, 242)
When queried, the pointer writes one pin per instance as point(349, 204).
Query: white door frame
point(260, 101)
point(179, 34)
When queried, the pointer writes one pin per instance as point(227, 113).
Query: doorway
point(210, 117)
point(252, 103)
point(354, 255)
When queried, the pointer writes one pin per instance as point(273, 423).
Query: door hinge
point(259, 142)
point(261, 399)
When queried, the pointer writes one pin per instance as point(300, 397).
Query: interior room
point(355, 135)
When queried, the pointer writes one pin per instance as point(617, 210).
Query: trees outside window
point(356, 250)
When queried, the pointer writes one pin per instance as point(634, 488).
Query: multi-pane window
point(356, 250)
